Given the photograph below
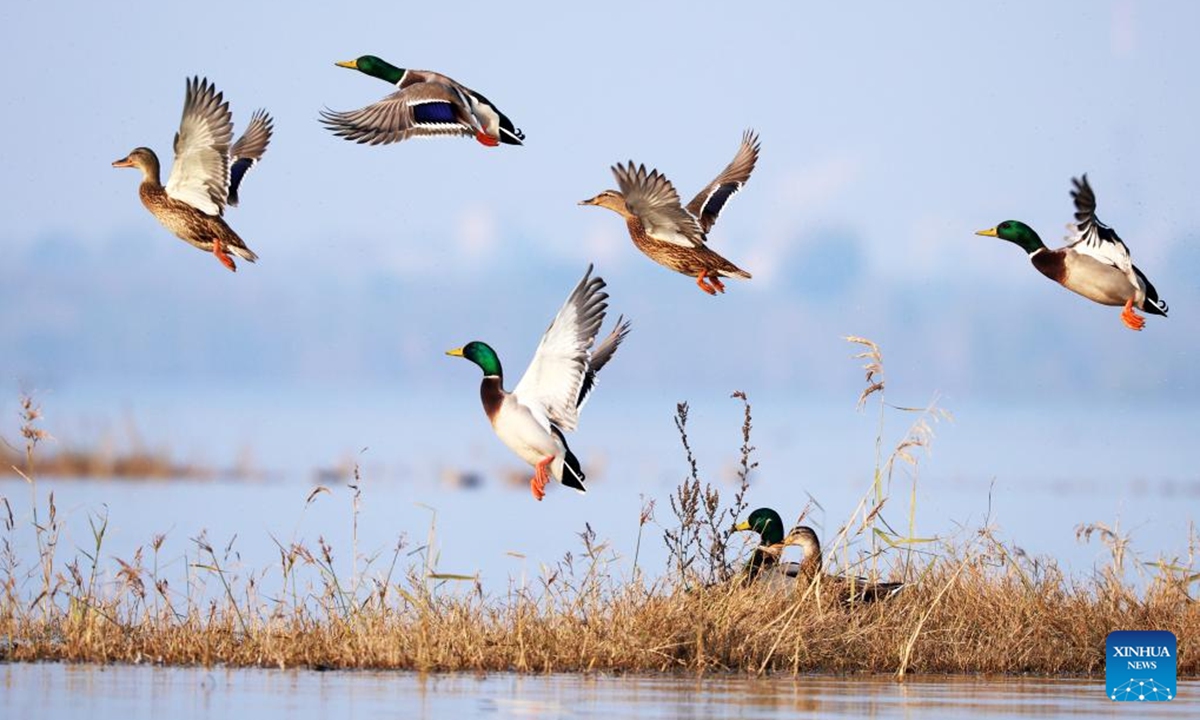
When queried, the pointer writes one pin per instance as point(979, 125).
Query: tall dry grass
point(972, 603)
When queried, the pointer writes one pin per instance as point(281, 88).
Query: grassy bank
point(971, 603)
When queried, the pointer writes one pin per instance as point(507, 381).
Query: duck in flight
point(1096, 264)
point(670, 234)
point(546, 402)
point(425, 104)
point(206, 175)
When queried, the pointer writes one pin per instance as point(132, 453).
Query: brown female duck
point(206, 174)
point(671, 235)
point(809, 571)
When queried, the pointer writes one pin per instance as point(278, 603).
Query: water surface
point(134, 692)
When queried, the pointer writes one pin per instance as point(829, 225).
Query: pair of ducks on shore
point(766, 566)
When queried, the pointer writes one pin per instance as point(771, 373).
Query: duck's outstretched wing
point(248, 150)
point(707, 205)
point(551, 385)
point(652, 198)
point(1095, 239)
point(423, 109)
point(200, 174)
point(600, 357)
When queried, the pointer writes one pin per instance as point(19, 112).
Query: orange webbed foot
point(701, 281)
point(485, 139)
point(1129, 316)
point(716, 282)
point(223, 256)
point(540, 477)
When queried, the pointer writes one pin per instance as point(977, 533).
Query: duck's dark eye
point(1004, 226)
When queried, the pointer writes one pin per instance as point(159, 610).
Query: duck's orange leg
point(716, 281)
point(700, 280)
point(223, 256)
point(1129, 316)
point(540, 478)
point(485, 139)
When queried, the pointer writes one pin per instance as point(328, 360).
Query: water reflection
point(130, 693)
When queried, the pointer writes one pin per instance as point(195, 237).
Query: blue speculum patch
point(718, 199)
point(434, 112)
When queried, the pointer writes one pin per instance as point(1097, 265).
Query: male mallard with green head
point(769, 526)
point(425, 104)
point(546, 402)
point(1096, 264)
point(671, 235)
point(206, 175)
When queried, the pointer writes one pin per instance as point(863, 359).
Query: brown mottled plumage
point(665, 231)
point(206, 174)
point(809, 571)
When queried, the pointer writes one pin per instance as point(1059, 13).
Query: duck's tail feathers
point(737, 273)
point(572, 474)
point(875, 592)
point(243, 252)
point(1151, 304)
point(512, 136)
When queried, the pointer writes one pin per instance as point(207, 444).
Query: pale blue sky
point(890, 133)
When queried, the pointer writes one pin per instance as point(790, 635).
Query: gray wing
point(200, 174)
point(707, 205)
point(600, 357)
point(652, 198)
point(419, 110)
point(248, 150)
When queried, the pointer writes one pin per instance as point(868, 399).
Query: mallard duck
point(810, 570)
point(674, 236)
point(206, 175)
point(425, 104)
point(546, 402)
point(1095, 264)
point(765, 558)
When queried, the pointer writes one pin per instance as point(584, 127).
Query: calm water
point(1034, 473)
point(54, 691)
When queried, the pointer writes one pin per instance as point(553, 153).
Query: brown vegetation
point(104, 460)
point(971, 603)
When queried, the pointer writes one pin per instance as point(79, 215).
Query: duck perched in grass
point(206, 175)
point(810, 570)
point(546, 402)
point(1095, 264)
point(425, 104)
point(668, 233)
point(765, 558)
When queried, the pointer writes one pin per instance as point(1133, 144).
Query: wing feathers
point(707, 205)
point(1096, 239)
point(248, 150)
point(600, 357)
point(651, 197)
point(563, 369)
point(402, 115)
point(200, 174)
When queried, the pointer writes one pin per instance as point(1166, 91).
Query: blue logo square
point(1140, 666)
